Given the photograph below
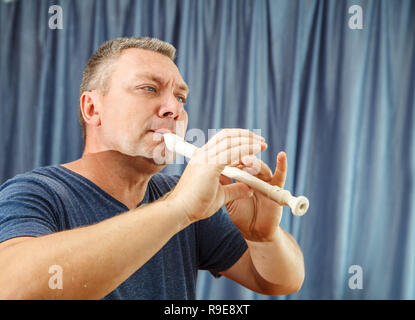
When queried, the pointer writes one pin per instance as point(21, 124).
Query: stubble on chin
point(153, 150)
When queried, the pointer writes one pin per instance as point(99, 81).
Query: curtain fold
point(339, 101)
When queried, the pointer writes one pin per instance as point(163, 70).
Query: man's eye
point(181, 99)
point(151, 89)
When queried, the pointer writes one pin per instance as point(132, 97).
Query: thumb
point(236, 191)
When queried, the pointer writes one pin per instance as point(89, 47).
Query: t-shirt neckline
point(100, 190)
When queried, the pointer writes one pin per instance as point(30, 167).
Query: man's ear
point(90, 106)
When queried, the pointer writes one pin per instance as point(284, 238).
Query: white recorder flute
point(299, 205)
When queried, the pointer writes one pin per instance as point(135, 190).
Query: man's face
point(145, 98)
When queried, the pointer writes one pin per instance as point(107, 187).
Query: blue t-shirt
point(54, 198)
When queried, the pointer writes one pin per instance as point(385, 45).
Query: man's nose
point(170, 107)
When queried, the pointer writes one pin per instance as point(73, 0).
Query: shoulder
point(29, 203)
point(43, 178)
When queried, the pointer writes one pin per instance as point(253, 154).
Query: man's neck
point(123, 177)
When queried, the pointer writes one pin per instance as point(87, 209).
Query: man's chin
point(156, 161)
point(153, 152)
point(160, 158)
point(154, 164)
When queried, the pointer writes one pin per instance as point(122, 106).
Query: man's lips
point(158, 133)
point(163, 131)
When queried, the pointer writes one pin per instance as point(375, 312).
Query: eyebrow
point(150, 76)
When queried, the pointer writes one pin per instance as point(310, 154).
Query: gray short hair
point(98, 70)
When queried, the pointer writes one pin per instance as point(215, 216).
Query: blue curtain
point(339, 101)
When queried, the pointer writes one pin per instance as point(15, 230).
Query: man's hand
point(258, 217)
point(199, 191)
point(273, 263)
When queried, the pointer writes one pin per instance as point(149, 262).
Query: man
point(87, 218)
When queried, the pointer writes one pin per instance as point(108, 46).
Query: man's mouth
point(158, 133)
point(163, 130)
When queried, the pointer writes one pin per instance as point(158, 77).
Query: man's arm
point(272, 268)
point(95, 259)
point(275, 264)
point(98, 258)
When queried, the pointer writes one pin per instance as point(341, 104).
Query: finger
point(230, 142)
point(280, 173)
point(256, 167)
point(233, 156)
point(231, 133)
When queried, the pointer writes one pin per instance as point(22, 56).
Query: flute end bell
point(299, 206)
